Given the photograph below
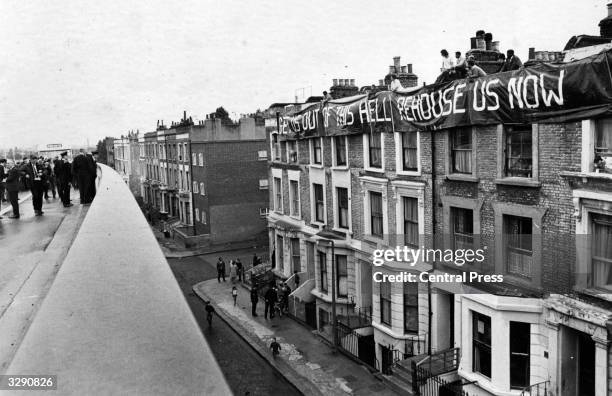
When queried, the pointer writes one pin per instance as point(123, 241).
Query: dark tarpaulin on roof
point(543, 93)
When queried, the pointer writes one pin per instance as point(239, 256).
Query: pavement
point(306, 359)
point(32, 251)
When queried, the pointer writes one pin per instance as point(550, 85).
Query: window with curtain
point(343, 207)
point(385, 303)
point(340, 143)
point(278, 195)
point(375, 149)
point(295, 255)
point(603, 142)
point(519, 160)
point(376, 213)
point(316, 148)
point(519, 249)
point(601, 251)
point(292, 151)
point(341, 275)
point(411, 221)
point(411, 307)
point(462, 230)
point(461, 150)
point(295, 197)
point(520, 341)
point(481, 344)
point(409, 151)
point(319, 203)
point(323, 271)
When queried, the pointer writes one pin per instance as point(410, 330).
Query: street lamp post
point(329, 237)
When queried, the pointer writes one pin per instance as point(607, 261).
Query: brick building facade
point(530, 195)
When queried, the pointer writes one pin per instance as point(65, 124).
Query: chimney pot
point(609, 9)
point(409, 68)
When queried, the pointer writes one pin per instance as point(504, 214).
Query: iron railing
point(539, 389)
point(359, 346)
point(424, 383)
point(441, 362)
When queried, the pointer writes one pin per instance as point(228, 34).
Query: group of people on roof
point(462, 68)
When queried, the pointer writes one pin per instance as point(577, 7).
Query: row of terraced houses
point(530, 193)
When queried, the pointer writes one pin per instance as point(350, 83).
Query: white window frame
point(201, 159)
point(342, 180)
point(264, 184)
point(277, 173)
point(534, 180)
point(195, 187)
point(312, 154)
point(408, 189)
point(379, 185)
point(202, 188)
point(317, 176)
point(263, 212)
point(294, 175)
point(448, 160)
point(197, 214)
point(334, 156)
point(194, 158)
point(366, 153)
point(399, 155)
point(204, 219)
point(262, 155)
point(288, 152)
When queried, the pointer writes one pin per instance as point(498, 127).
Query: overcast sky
point(77, 70)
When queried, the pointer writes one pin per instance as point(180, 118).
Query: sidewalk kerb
point(302, 384)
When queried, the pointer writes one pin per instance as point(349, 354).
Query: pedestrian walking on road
point(254, 300)
point(233, 271)
point(12, 188)
point(275, 346)
point(234, 294)
point(63, 175)
point(210, 310)
point(220, 270)
point(270, 300)
point(36, 176)
point(240, 269)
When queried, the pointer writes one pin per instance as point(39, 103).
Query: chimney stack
point(605, 25)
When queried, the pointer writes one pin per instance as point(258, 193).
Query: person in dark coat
point(3, 174)
point(512, 62)
point(50, 183)
point(35, 173)
point(270, 299)
point(220, 270)
point(254, 301)
point(13, 178)
point(63, 175)
point(81, 171)
point(92, 169)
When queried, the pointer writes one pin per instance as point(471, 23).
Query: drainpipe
point(433, 223)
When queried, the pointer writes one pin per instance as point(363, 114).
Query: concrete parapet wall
point(115, 320)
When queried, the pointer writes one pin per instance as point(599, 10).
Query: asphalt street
point(244, 369)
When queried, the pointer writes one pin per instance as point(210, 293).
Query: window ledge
point(518, 181)
point(346, 231)
point(598, 293)
point(588, 175)
point(317, 224)
point(377, 170)
point(462, 177)
point(340, 168)
point(318, 166)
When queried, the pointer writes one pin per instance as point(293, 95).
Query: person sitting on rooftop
point(446, 69)
point(460, 69)
point(474, 71)
point(512, 62)
point(395, 83)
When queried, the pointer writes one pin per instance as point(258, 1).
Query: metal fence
point(539, 389)
point(426, 384)
point(360, 346)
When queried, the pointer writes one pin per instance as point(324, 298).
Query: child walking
point(234, 294)
point(275, 346)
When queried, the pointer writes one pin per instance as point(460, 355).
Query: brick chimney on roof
point(605, 25)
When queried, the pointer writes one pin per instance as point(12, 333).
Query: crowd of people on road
point(46, 178)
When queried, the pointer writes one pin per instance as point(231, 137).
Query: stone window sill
point(588, 175)
point(518, 181)
point(462, 177)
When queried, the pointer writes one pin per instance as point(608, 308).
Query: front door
point(386, 359)
point(577, 363)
